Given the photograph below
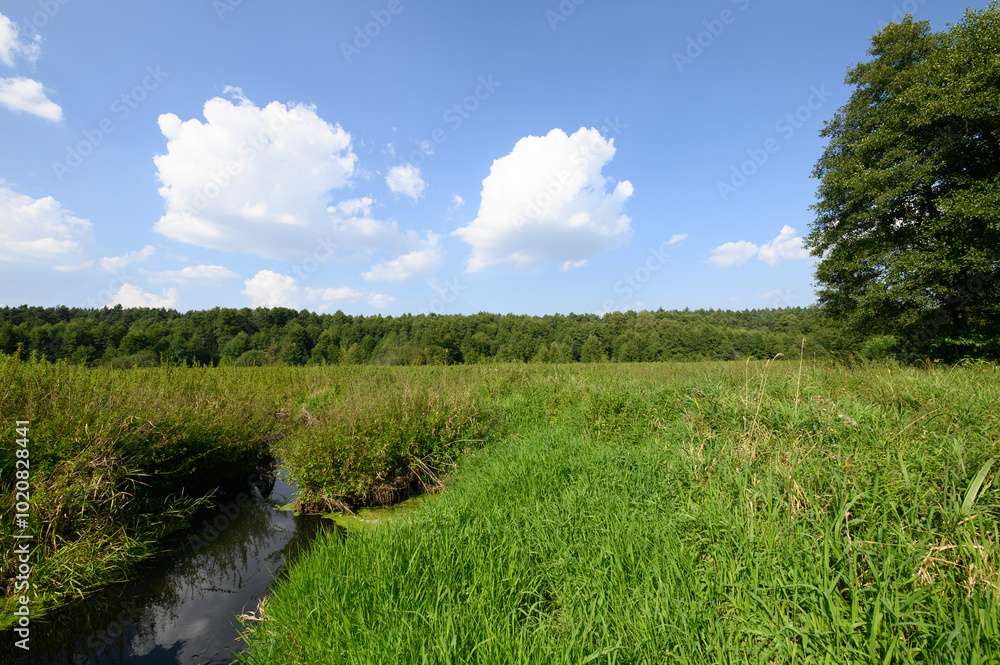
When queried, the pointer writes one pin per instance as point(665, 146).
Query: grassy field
point(677, 513)
point(701, 512)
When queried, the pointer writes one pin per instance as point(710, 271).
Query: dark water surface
point(182, 607)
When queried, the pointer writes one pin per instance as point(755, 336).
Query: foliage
point(908, 217)
point(127, 338)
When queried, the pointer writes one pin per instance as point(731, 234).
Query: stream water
point(183, 607)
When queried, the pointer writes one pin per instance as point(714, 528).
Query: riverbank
point(118, 461)
point(121, 461)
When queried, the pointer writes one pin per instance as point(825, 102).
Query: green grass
point(702, 512)
point(681, 513)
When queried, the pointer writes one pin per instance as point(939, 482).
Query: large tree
point(908, 216)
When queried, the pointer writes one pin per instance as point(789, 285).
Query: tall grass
point(385, 437)
point(122, 459)
point(682, 513)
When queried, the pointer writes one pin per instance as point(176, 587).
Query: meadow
point(718, 512)
point(757, 511)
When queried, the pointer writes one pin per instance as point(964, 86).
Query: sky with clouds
point(390, 156)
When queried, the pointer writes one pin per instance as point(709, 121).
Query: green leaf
point(972, 493)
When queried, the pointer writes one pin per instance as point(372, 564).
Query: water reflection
point(182, 608)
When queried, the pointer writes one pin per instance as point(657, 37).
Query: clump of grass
point(383, 439)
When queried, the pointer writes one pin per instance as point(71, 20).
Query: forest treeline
point(144, 337)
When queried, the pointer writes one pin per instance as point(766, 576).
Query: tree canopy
point(908, 214)
point(252, 337)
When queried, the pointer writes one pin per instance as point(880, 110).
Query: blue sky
point(394, 156)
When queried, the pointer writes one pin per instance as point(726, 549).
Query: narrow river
point(183, 607)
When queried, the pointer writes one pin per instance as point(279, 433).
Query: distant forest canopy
point(146, 337)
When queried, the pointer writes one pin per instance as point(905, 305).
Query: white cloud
point(380, 300)
point(334, 294)
point(406, 179)
point(573, 265)
point(199, 273)
point(677, 239)
point(41, 231)
point(457, 201)
point(119, 263)
point(359, 206)
point(12, 45)
point(355, 231)
point(271, 289)
point(251, 179)
point(411, 264)
point(730, 254)
point(28, 96)
point(786, 246)
point(130, 295)
point(548, 201)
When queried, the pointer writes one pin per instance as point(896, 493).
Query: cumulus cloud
point(199, 273)
point(730, 254)
point(420, 261)
point(272, 289)
point(119, 263)
point(406, 179)
point(26, 95)
point(252, 179)
point(457, 201)
point(13, 45)
point(130, 296)
point(677, 239)
point(41, 231)
point(786, 246)
point(548, 201)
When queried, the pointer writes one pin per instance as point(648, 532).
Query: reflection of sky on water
point(183, 608)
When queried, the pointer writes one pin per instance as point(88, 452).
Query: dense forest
point(144, 337)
